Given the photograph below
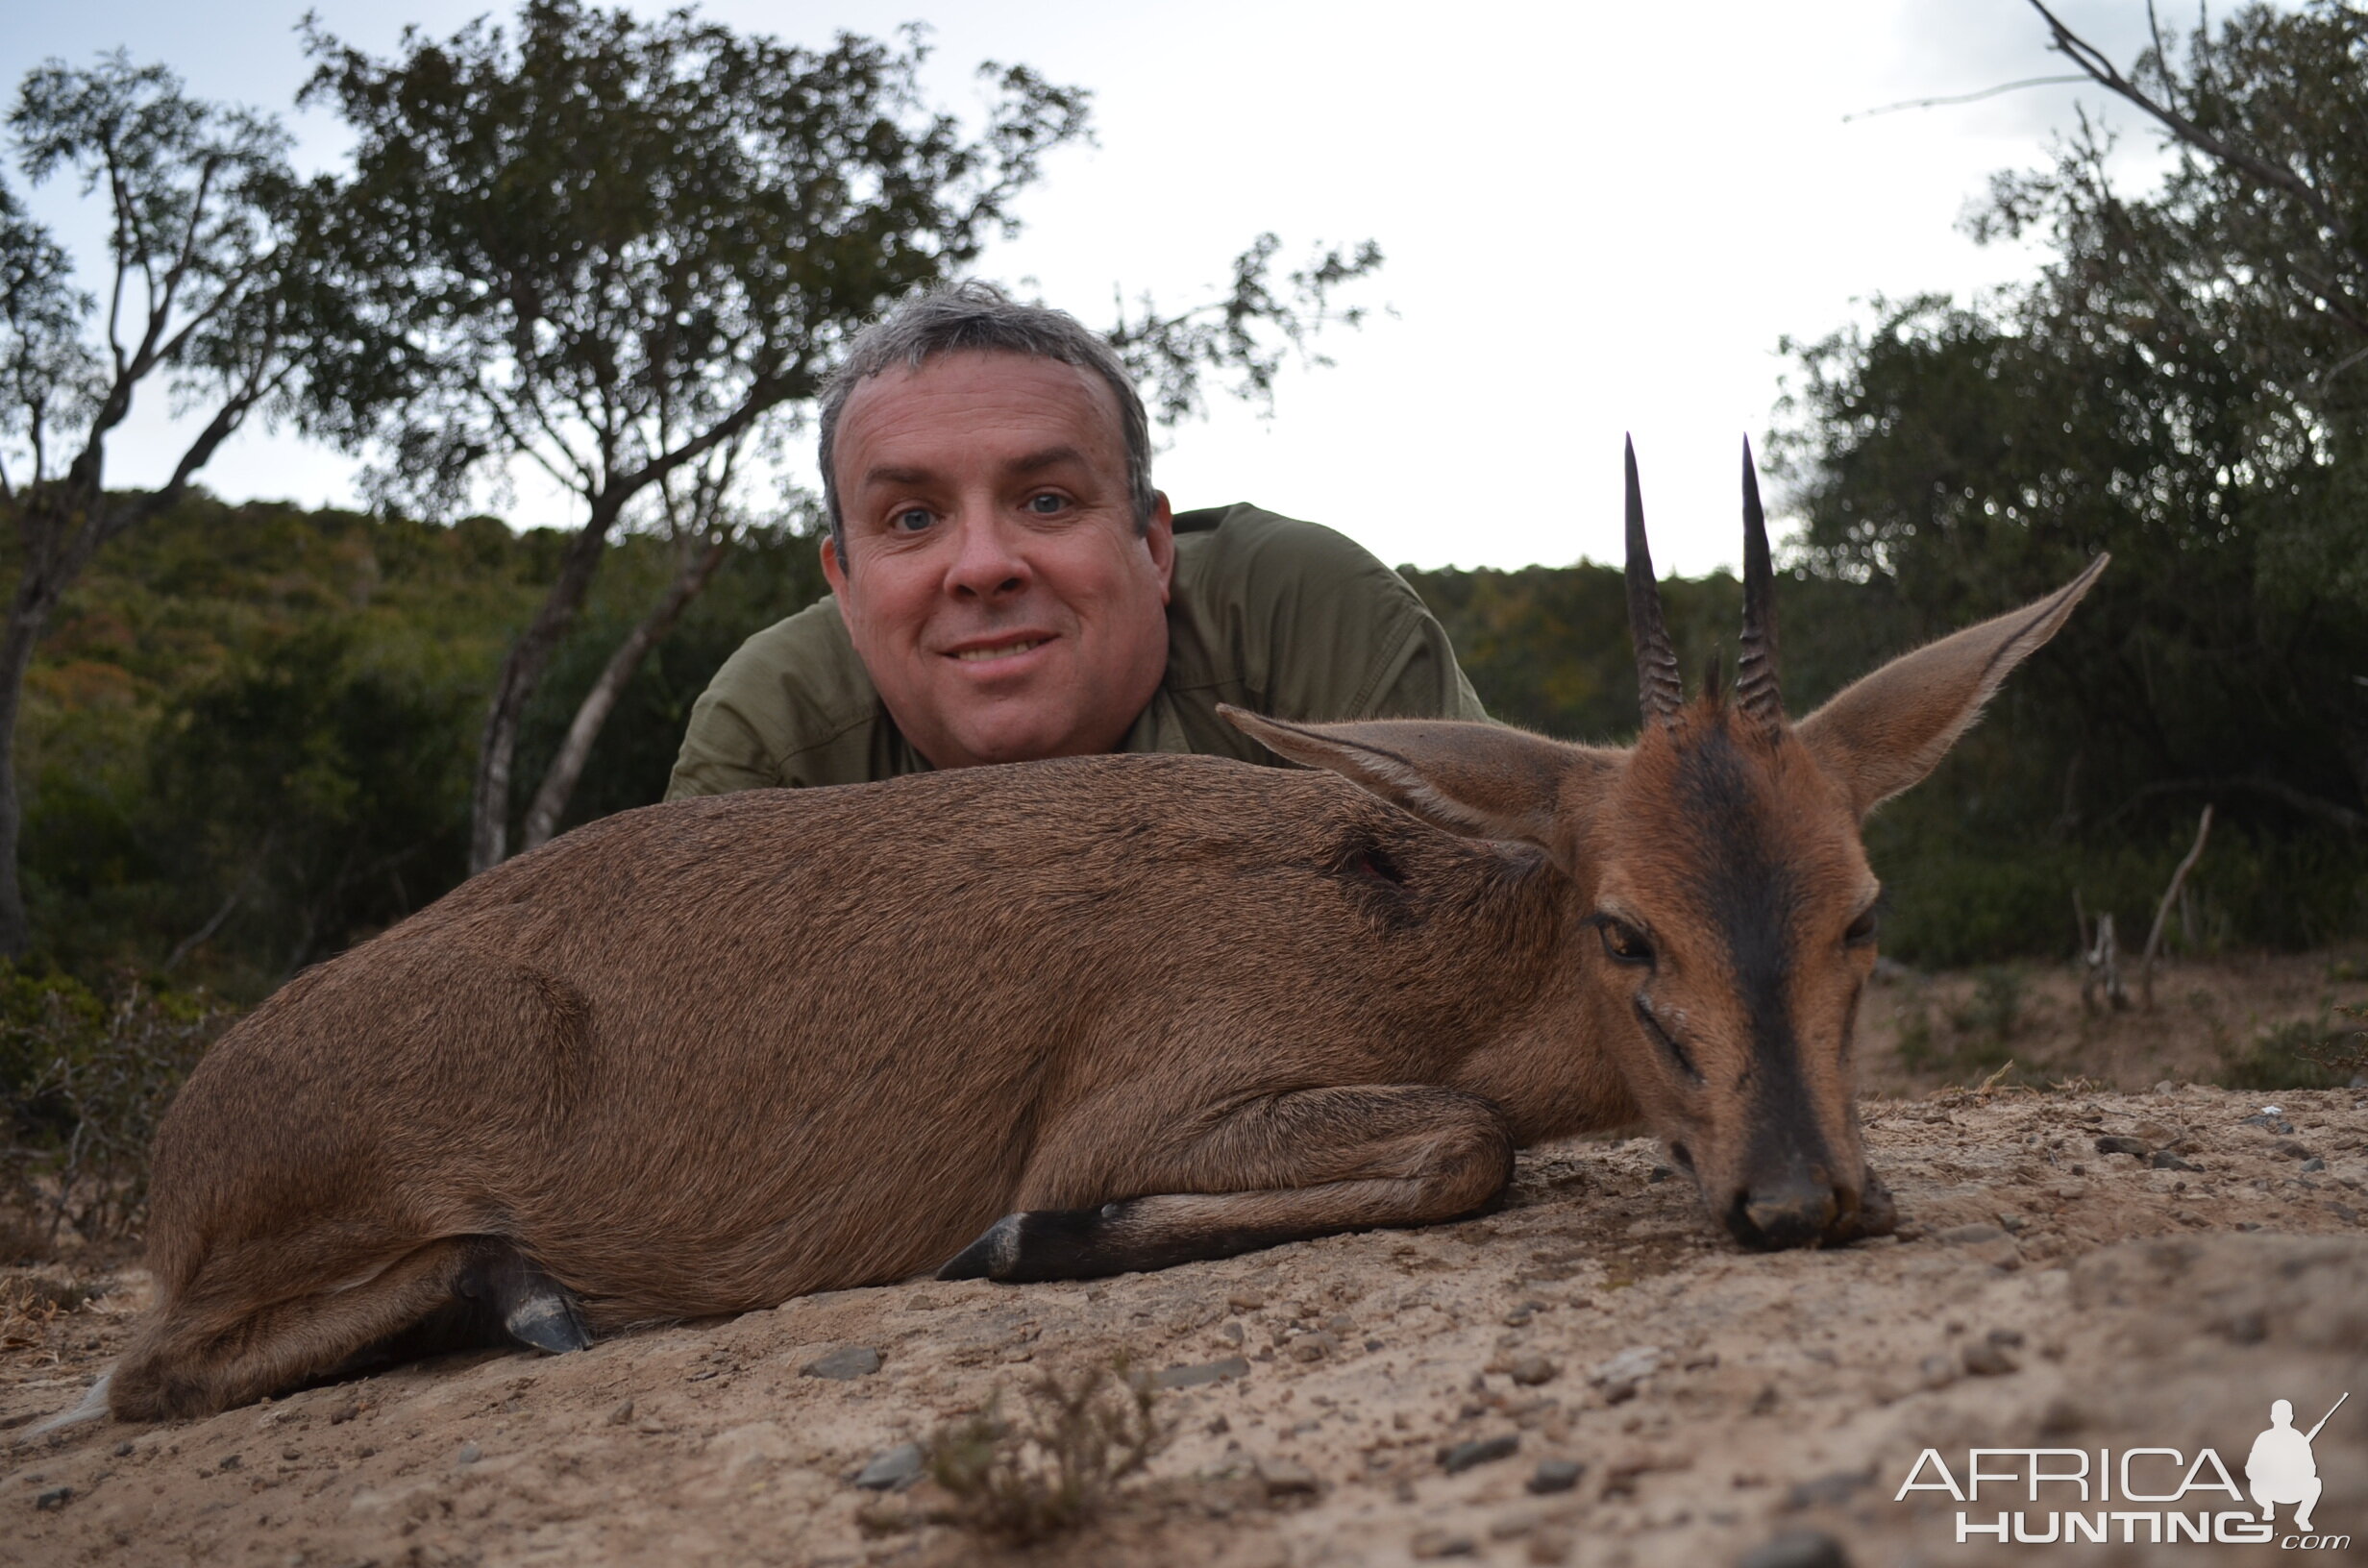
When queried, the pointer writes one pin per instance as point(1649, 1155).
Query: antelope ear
point(1484, 780)
point(1890, 728)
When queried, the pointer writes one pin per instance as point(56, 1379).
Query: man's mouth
point(1005, 651)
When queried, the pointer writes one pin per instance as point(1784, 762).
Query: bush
point(84, 1082)
point(2302, 1053)
point(1056, 1464)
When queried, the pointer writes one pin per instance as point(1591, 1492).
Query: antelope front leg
point(1281, 1168)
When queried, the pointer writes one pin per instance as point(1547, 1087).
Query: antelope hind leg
point(1283, 1169)
point(460, 1292)
point(210, 1353)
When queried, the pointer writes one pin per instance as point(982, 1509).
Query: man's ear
point(1483, 780)
point(834, 570)
point(1890, 728)
point(1159, 538)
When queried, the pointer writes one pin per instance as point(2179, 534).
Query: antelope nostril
point(1784, 1215)
point(1683, 1155)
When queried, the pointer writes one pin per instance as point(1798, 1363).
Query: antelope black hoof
point(549, 1320)
point(1040, 1244)
point(991, 1257)
point(532, 1308)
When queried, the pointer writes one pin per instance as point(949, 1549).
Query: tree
point(210, 288)
point(704, 519)
point(612, 246)
point(2181, 385)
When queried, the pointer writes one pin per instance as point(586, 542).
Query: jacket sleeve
point(721, 750)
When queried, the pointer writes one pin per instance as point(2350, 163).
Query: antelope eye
point(1861, 930)
point(1623, 943)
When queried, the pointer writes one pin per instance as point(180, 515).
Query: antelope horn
point(1661, 690)
point(1755, 663)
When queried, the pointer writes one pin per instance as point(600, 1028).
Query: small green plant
point(2302, 1053)
point(1052, 1465)
point(1913, 1031)
point(1994, 1013)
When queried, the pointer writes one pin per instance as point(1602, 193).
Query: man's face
point(994, 584)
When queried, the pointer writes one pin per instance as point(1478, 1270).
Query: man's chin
point(983, 742)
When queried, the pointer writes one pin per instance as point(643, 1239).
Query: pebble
point(1443, 1543)
point(2122, 1145)
point(1314, 1347)
point(841, 1364)
point(1555, 1476)
point(2165, 1160)
point(1287, 1478)
point(1201, 1372)
point(1987, 1358)
point(1458, 1458)
point(1529, 1371)
point(1796, 1549)
point(2314, 1163)
point(1550, 1546)
point(893, 1468)
point(2290, 1149)
point(1629, 1366)
point(1988, 1243)
point(469, 1454)
point(57, 1497)
point(623, 1413)
point(1245, 1300)
point(1827, 1491)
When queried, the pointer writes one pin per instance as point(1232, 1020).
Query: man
point(2280, 1467)
point(1006, 585)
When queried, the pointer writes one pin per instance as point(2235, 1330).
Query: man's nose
point(988, 562)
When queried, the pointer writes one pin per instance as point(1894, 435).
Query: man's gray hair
point(978, 317)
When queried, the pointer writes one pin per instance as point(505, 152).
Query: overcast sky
point(1598, 219)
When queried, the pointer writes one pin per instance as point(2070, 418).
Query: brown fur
point(707, 1056)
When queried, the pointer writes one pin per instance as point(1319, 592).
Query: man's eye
point(911, 520)
point(1047, 504)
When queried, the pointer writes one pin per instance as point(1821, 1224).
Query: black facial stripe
point(1751, 898)
point(1662, 1038)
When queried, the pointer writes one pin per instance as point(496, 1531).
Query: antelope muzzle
point(1803, 1206)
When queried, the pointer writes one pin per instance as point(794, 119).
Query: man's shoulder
point(801, 679)
point(1292, 618)
point(1244, 560)
point(1241, 541)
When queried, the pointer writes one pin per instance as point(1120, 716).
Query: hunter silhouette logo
point(2137, 1496)
point(2281, 1468)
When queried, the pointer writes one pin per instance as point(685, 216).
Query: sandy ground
point(2043, 1296)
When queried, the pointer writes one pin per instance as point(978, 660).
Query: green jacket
point(1283, 618)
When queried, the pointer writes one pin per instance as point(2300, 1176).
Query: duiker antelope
point(1058, 1020)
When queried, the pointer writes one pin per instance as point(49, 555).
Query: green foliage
point(1993, 1014)
point(772, 574)
point(248, 744)
point(604, 240)
point(2301, 1053)
point(84, 1083)
point(2180, 386)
